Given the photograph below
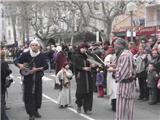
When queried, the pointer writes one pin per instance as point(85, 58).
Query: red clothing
point(134, 50)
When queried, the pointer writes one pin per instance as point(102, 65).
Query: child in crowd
point(99, 81)
point(64, 76)
point(152, 80)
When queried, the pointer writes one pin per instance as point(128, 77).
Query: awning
point(148, 31)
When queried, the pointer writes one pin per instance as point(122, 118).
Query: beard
point(118, 51)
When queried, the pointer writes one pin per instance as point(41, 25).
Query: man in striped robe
point(124, 75)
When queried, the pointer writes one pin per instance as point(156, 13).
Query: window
point(9, 34)
point(9, 21)
point(158, 16)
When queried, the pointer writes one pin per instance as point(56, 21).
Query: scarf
point(33, 54)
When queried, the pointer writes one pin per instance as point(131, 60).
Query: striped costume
point(126, 85)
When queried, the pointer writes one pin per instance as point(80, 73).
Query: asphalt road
point(50, 110)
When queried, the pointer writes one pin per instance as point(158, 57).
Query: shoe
point(66, 106)
point(61, 106)
point(88, 112)
point(79, 109)
point(152, 103)
point(145, 99)
point(140, 98)
point(7, 108)
point(37, 115)
point(31, 117)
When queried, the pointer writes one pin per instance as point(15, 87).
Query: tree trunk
point(109, 29)
point(27, 30)
point(13, 18)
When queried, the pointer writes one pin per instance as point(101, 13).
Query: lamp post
point(131, 7)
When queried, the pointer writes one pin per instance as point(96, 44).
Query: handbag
point(158, 84)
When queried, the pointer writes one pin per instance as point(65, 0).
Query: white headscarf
point(59, 48)
point(34, 54)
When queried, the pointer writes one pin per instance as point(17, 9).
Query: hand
point(93, 65)
point(111, 69)
point(87, 68)
point(21, 66)
point(34, 70)
point(112, 65)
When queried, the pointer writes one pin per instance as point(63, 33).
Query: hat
point(122, 42)
point(35, 42)
point(82, 45)
point(59, 48)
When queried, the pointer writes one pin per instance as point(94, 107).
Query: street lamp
point(131, 7)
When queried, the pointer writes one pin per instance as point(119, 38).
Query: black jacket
point(5, 71)
point(83, 78)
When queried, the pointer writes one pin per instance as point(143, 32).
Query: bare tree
point(104, 11)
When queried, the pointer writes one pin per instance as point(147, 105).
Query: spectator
point(5, 71)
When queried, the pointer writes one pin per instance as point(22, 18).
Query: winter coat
point(5, 71)
point(83, 78)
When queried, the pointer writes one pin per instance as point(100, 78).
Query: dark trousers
point(144, 91)
point(153, 94)
point(94, 81)
point(113, 103)
point(3, 108)
point(32, 100)
point(85, 100)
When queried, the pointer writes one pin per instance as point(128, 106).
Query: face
point(117, 47)
point(151, 42)
point(141, 49)
point(83, 50)
point(159, 48)
point(154, 53)
point(34, 47)
point(151, 67)
point(2, 53)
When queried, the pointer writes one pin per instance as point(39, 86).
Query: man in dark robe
point(84, 91)
point(32, 82)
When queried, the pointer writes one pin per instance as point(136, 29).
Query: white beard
point(33, 54)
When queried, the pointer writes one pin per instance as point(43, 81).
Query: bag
point(8, 82)
point(158, 84)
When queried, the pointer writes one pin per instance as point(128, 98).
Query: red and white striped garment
point(125, 69)
point(125, 91)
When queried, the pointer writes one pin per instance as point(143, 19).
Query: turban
point(35, 42)
point(122, 42)
point(59, 48)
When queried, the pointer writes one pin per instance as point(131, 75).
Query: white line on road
point(46, 78)
point(71, 109)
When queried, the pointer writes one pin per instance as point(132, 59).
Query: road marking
point(44, 78)
point(53, 75)
point(71, 109)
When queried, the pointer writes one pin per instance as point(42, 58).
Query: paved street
point(50, 110)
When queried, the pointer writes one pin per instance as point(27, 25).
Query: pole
point(131, 12)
